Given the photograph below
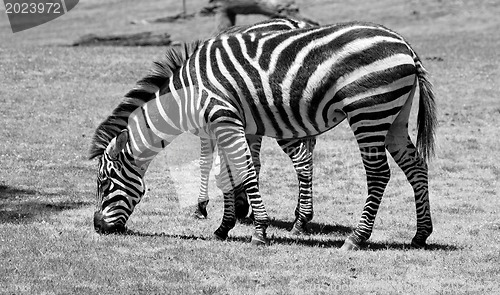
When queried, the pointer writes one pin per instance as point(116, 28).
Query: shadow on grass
point(314, 228)
point(8, 192)
point(308, 241)
point(23, 205)
point(370, 246)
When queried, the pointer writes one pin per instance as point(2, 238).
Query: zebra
point(287, 85)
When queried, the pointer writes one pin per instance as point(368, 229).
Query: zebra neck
point(154, 125)
point(183, 107)
point(135, 160)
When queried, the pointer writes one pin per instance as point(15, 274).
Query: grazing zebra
point(299, 150)
point(287, 85)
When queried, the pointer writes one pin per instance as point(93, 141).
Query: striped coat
point(287, 85)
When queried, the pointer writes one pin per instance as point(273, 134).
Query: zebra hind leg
point(406, 156)
point(402, 149)
point(377, 177)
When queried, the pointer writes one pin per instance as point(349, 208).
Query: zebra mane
point(143, 91)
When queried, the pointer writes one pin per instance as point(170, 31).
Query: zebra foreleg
point(242, 205)
point(241, 171)
point(301, 154)
point(228, 219)
point(226, 182)
point(377, 177)
point(206, 161)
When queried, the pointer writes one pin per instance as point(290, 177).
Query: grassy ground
point(53, 96)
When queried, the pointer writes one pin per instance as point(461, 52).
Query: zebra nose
point(103, 227)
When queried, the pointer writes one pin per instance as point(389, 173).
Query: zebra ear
point(117, 144)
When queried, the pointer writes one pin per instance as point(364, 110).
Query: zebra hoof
point(201, 210)
point(199, 215)
point(350, 245)
point(259, 240)
point(418, 243)
point(218, 238)
point(298, 230)
point(219, 235)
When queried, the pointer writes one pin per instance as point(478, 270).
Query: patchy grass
point(52, 97)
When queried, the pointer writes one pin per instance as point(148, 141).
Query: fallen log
point(138, 39)
point(225, 12)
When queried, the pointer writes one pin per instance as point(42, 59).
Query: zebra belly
point(284, 123)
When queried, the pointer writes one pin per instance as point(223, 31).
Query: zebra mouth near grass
point(105, 228)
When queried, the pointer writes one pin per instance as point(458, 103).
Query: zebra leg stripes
point(300, 153)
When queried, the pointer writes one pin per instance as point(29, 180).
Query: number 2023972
point(33, 8)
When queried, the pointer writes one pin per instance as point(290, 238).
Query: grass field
point(53, 96)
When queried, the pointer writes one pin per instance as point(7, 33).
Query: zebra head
point(119, 187)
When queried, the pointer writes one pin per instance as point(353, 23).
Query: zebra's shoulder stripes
point(156, 80)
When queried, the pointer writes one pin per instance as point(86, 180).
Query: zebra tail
point(426, 117)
